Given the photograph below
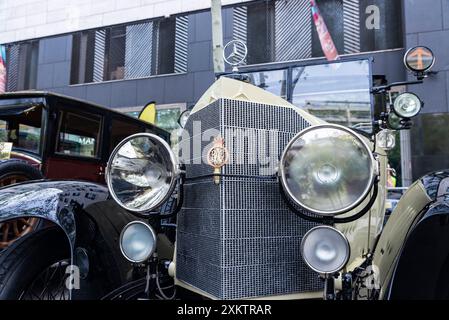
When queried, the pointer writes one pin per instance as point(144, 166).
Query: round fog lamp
point(407, 105)
point(325, 250)
point(386, 139)
point(137, 241)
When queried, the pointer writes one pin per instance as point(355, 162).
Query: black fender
point(90, 220)
point(422, 268)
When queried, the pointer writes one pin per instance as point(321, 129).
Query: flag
point(2, 69)
point(329, 49)
point(148, 113)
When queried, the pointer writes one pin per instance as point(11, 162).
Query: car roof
point(46, 94)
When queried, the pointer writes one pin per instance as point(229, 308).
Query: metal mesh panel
point(351, 12)
point(293, 21)
point(99, 52)
point(239, 239)
point(139, 41)
point(13, 67)
point(181, 38)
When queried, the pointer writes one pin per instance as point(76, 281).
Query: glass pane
point(337, 93)
point(116, 53)
point(166, 46)
point(260, 33)
point(167, 119)
point(272, 81)
point(22, 127)
point(122, 129)
point(79, 135)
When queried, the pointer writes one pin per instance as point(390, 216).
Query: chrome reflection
point(141, 173)
point(327, 170)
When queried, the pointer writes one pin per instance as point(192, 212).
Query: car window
point(79, 134)
point(22, 127)
point(122, 129)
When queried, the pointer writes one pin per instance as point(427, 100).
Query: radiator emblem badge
point(217, 157)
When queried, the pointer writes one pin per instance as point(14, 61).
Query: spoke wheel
point(14, 229)
point(50, 284)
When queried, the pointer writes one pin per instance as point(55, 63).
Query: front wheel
point(34, 267)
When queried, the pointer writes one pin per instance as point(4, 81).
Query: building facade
point(125, 53)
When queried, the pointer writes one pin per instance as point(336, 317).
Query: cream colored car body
point(361, 233)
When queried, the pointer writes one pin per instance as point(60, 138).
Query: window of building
point(78, 135)
point(284, 30)
point(22, 61)
point(130, 51)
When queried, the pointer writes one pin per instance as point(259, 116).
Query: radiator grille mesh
point(238, 239)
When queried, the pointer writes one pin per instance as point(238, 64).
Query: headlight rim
point(334, 213)
point(153, 248)
point(174, 166)
point(347, 245)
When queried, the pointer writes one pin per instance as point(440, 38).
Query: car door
point(77, 146)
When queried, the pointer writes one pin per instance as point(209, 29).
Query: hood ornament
point(235, 53)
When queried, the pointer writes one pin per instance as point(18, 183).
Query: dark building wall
point(427, 23)
point(55, 61)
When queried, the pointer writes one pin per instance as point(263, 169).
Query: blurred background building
point(125, 53)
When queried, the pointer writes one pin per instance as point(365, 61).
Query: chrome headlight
point(325, 250)
point(141, 173)
point(407, 105)
point(137, 241)
point(327, 170)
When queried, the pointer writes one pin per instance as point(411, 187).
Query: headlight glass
point(327, 170)
point(137, 241)
point(141, 173)
point(325, 250)
point(407, 105)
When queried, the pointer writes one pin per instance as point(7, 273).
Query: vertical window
point(22, 61)
point(130, 51)
point(165, 46)
point(115, 53)
point(79, 134)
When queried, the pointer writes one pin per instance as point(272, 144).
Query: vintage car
point(46, 135)
point(267, 201)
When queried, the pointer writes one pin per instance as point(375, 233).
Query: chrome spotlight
point(325, 250)
point(141, 173)
point(407, 105)
point(327, 170)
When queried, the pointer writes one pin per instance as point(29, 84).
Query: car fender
point(417, 216)
point(85, 213)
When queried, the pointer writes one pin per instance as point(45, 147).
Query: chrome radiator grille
point(238, 239)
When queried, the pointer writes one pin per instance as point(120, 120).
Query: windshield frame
point(291, 65)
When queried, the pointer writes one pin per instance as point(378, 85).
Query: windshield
point(337, 93)
point(21, 125)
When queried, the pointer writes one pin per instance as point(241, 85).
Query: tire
point(25, 259)
point(20, 168)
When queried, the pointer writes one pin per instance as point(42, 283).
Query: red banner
point(327, 44)
point(2, 69)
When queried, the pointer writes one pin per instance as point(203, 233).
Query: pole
point(217, 36)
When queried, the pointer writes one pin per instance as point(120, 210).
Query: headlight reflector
point(407, 105)
point(137, 241)
point(141, 172)
point(325, 250)
point(327, 170)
